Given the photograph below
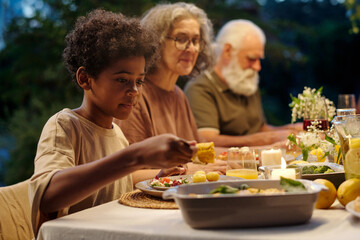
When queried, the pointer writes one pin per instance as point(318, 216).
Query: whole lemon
point(348, 191)
point(326, 197)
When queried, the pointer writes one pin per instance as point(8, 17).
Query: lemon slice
point(352, 161)
point(354, 143)
point(319, 154)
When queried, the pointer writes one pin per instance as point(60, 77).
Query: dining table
point(114, 220)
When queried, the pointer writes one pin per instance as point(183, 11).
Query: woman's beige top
point(160, 111)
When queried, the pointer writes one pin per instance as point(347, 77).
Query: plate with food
point(353, 207)
point(249, 203)
point(157, 186)
point(164, 183)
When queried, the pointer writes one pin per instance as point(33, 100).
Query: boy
point(83, 159)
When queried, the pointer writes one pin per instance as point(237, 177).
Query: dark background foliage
point(309, 43)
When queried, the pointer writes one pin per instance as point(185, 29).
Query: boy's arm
point(71, 185)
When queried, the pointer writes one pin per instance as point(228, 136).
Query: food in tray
point(287, 184)
point(205, 153)
point(168, 182)
point(313, 169)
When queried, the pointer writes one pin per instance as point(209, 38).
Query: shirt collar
point(214, 78)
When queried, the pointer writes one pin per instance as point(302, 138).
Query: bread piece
point(205, 153)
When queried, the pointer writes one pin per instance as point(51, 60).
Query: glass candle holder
point(276, 171)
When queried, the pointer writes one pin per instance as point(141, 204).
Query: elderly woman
point(185, 35)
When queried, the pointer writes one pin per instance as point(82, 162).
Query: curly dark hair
point(102, 37)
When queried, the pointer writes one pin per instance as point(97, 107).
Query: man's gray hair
point(233, 32)
point(161, 19)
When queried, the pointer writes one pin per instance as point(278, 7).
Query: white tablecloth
point(116, 221)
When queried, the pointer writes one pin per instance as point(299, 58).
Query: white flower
point(310, 104)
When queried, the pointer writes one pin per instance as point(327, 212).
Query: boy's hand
point(164, 151)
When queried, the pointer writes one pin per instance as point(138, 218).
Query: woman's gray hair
point(161, 19)
point(233, 33)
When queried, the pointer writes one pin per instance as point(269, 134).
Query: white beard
point(240, 81)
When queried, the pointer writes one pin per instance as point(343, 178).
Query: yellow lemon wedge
point(348, 191)
point(354, 143)
point(326, 197)
point(352, 162)
point(319, 154)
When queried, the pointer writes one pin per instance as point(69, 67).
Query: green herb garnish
point(291, 185)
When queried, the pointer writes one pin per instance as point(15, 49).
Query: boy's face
point(116, 90)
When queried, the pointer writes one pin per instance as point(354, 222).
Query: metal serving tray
point(204, 210)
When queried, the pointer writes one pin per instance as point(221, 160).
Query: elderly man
point(226, 102)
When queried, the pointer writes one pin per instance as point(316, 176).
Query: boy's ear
point(83, 78)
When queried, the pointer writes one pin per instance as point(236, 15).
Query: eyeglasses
point(182, 43)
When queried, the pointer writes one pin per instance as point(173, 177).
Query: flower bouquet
point(316, 112)
point(311, 106)
point(317, 143)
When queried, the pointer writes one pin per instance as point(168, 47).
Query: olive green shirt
point(215, 106)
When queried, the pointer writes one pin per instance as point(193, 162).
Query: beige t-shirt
point(68, 140)
point(159, 111)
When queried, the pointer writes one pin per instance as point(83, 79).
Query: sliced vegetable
point(291, 185)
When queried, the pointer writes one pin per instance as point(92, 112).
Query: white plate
point(146, 188)
point(350, 208)
point(187, 177)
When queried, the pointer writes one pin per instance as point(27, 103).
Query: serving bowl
point(203, 210)
point(336, 177)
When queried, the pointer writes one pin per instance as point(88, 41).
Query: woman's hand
point(179, 170)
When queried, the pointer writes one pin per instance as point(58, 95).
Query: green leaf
point(319, 90)
point(305, 153)
point(330, 139)
point(292, 139)
point(224, 189)
point(291, 185)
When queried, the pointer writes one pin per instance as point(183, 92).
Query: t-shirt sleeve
point(203, 106)
point(54, 153)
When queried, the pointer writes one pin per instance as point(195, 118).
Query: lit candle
point(286, 173)
point(283, 171)
point(271, 157)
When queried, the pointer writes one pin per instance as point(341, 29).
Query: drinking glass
point(241, 162)
point(316, 114)
point(346, 105)
point(348, 129)
point(346, 101)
